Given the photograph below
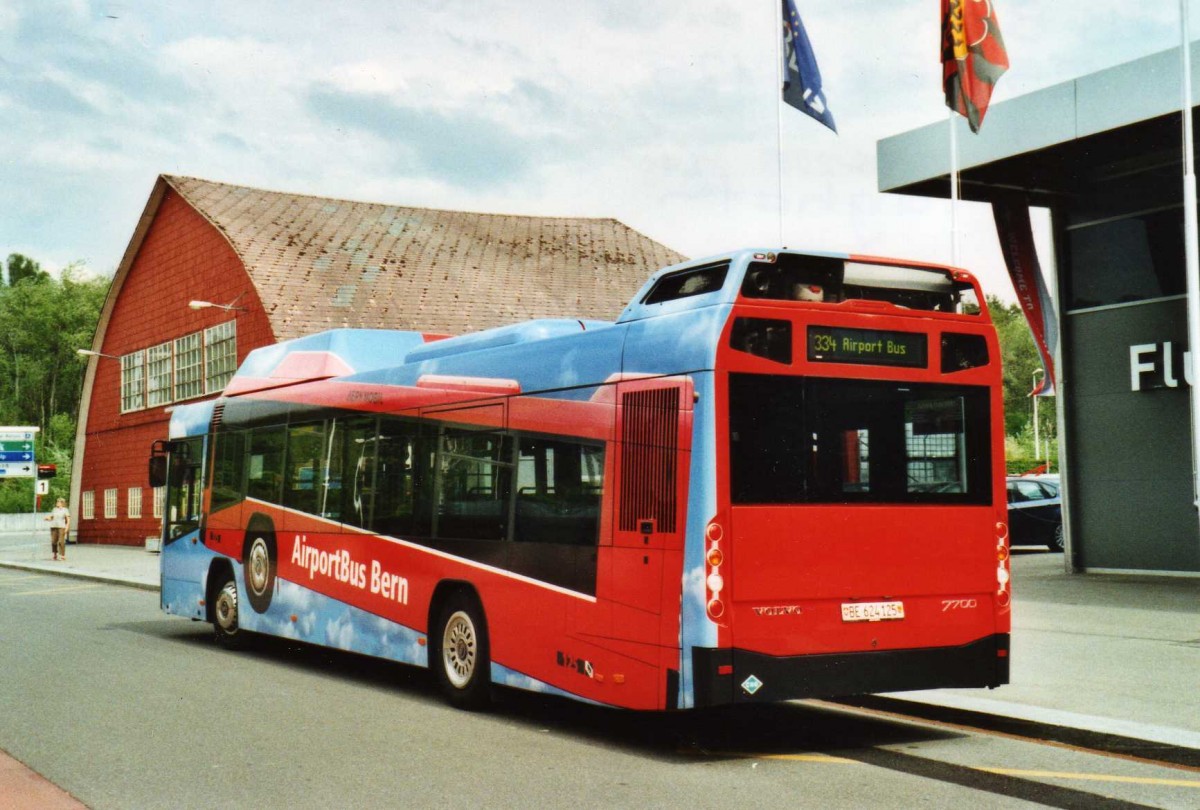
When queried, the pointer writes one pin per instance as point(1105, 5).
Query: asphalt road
point(125, 707)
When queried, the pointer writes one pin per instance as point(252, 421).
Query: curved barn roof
point(321, 263)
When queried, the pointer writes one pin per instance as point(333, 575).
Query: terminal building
point(1104, 154)
point(214, 271)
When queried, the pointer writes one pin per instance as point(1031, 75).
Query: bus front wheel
point(461, 661)
point(225, 617)
point(258, 562)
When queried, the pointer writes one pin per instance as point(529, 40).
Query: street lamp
point(90, 353)
point(1037, 444)
point(197, 305)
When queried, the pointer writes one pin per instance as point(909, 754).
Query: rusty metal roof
point(320, 263)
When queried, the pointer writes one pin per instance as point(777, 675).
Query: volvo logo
point(777, 610)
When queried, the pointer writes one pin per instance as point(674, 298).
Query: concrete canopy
point(1053, 144)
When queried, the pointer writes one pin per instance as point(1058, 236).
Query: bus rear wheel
point(225, 617)
point(461, 661)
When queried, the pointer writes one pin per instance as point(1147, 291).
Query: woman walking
point(60, 522)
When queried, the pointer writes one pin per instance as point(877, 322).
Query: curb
point(59, 572)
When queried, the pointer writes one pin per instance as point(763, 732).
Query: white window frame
point(133, 503)
point(160, 496)
point(189, 366)
point(160, 373)
point(89, 505)
point(110, 503)
point(220, 355)
point(133, 381)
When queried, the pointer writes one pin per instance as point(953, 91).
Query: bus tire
point(259, 563)
point(226, 628)
point(461, 655)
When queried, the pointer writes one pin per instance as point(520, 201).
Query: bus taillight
point(715, 582)
point(1003, 597)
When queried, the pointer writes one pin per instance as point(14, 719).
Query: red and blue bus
point(776, 475)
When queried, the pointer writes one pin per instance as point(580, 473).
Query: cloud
point(665, 116)
point(460, 148)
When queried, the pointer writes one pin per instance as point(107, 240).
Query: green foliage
point(1021, 360)
point(22, 268)
point(43, 321)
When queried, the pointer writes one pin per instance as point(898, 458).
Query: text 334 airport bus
point(775, 475)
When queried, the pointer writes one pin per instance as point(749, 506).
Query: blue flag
point(801, 76)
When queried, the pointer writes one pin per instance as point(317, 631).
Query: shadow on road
point(715, 734)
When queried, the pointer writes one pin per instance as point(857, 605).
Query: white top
point(59, 517)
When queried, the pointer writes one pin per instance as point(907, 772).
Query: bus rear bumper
point(725, 676)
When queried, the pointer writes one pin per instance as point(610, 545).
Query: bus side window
point(305, 469)
point(228, 488)
point(559, 487)
point(351, 485)
point(393, 489)
point(474, 476)
point(264, 463)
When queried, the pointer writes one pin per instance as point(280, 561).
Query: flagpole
point(780, 76)
point(1191, 249)
point(954, 258)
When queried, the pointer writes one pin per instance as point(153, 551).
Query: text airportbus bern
point(776, 475)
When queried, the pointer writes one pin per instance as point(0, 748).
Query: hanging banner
point(1020, 255)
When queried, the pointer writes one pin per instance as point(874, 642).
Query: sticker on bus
point(872, 611)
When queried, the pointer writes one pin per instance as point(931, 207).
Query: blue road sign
point(19, 456)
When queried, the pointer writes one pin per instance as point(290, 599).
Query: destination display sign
point(835, 344)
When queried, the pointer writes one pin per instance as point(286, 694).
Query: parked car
point(1035, 512)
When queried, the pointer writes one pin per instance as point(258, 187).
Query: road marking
point(53, 591)
point(827, 758)
point(1001, 734)
point(1091, 777)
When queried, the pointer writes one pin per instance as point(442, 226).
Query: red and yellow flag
point(973, 57)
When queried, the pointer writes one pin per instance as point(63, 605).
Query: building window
point(133, 381)
point(185, 368)
point(220, 355)
point(158, 375)
point(110, 503)
point(89, 505)
point(133, 502)
point(189, 366)
point(159, 496)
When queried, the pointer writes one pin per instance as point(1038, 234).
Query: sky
point(663, 115)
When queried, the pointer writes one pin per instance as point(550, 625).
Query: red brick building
point(285, 265)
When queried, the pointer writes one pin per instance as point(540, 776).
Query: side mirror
point(158, 471)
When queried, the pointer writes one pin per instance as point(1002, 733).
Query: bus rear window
point(811, 440)
point(687, 283)
point(829, 280)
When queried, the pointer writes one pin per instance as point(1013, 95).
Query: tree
point(1020, 360)
point(21, 268)
point(42, 322)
